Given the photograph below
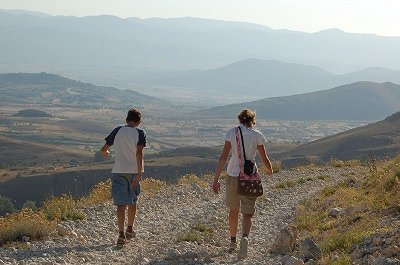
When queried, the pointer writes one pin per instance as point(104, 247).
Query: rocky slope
point(169, 217)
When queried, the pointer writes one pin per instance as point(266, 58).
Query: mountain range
point(357, 101)
point(121, 52)
point(255, 79)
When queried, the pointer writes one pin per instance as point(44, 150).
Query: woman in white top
point(253, 141)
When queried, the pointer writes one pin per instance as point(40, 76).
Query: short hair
point(247, 117)
point(133, 115)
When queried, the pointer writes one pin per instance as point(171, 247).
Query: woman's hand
point(216, 186)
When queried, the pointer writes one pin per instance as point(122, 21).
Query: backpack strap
point(241, 136)
point(238, 150)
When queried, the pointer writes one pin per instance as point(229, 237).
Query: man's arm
point(104, 151)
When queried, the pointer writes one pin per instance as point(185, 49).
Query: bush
point(189, 179)
point(276, 166)
point(62, 208)
point(336, 163)
point(6, 206)
point(25, 223)
point(101, 193)
point(151, 185)
point(29, 205)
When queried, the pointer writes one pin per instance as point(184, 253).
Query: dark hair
point(134, 115)
point(247, 117)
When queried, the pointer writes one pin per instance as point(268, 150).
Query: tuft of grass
point(336, 163)
point(276, 166)
point(152, 186)
point(101, 193)
point(392, 181)
point(62, 208)
point(352, 163)
point(343, 241)
point(25, 223)
point(198, 233)
point(301, 181)
point(323, 177)
point(190, 179)
point(190, 236)
point(285, 184)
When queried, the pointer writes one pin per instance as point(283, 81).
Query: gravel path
point(164, 218)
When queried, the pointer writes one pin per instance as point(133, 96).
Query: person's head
point(134, 116)
point(247, 117)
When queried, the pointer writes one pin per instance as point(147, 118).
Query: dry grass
point(101, 193)
point(336, 163)
point(25, 223)
point(378, 191)
point(198, 233)
point(152, 186)
point(190, 179)
point(62, 208)
point(276, 166)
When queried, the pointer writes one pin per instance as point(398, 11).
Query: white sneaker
point(242, 253)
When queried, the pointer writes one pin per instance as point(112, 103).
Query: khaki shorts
point(234, 201)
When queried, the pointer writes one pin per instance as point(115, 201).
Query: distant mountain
point(356, 101)
point(376, 140)
point(255, 79)
point(55, 90)
point(120, 51)
point(31, 113)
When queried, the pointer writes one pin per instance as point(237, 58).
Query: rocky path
point(167, 218)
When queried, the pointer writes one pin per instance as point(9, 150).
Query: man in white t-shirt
point(128, 141)
point(254, 142)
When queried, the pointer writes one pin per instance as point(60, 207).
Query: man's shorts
point(122, 191)
point(235, 201)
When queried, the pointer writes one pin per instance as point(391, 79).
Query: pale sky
point(380, 17)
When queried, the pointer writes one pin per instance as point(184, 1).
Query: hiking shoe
point(242, 253)
point(130, 234)
point(121, 241)
point(232, 247)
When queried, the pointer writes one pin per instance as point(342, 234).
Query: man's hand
point(106, 154)
point(216, 186)
point(136, 180)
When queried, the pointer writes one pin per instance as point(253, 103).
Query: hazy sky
point(360, 16)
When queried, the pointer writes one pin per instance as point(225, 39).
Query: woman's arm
point(265, 159)
point(221, 163)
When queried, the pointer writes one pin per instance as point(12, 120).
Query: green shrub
point(6, 206)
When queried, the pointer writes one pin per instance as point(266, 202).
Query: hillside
point(15, 153)
point(356, 101)
point(54, 90)
point(377, 140)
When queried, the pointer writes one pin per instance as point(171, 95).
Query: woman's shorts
point(235, 201)
point(122, 191)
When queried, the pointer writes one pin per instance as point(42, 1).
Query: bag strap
point(238, 149)
point(241, 136)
